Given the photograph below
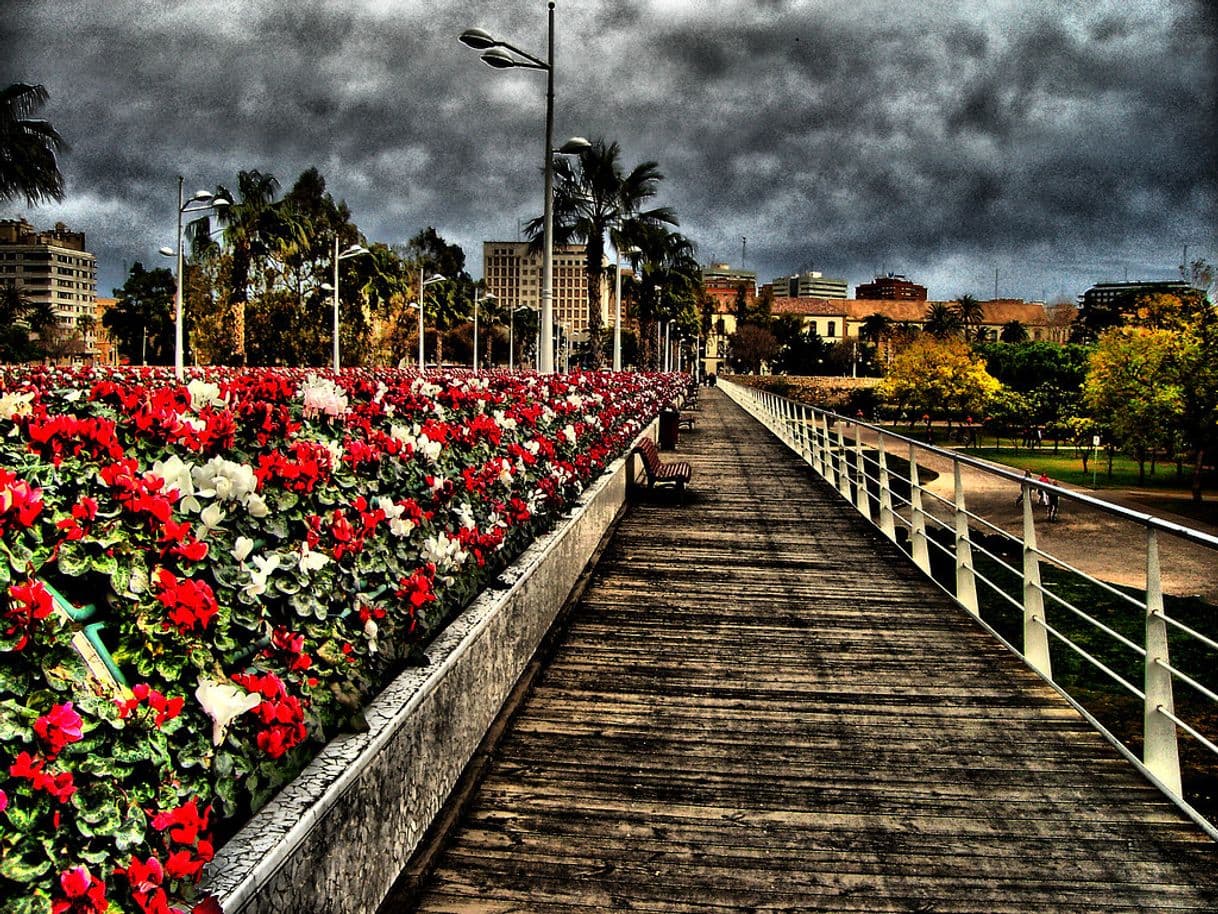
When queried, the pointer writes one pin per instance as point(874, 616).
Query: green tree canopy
point(141, 322)
point(29, 166)
point(941, 378)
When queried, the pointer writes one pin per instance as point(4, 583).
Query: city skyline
point(1059, 146)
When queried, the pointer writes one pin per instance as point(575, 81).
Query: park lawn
point(1065, 466)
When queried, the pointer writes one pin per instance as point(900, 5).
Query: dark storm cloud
point(1060, 142)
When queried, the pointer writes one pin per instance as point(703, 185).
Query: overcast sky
point(1059, 143)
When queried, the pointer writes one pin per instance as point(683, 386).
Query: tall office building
point(512, 273)
point(52, 268)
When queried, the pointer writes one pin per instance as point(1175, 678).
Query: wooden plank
point(760, 706)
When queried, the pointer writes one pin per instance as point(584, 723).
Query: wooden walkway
point(759, 706)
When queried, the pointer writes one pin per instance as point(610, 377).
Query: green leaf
point(26, 863)
point(73, 560)
point(105, 564)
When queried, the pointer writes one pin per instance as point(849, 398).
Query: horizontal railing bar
point(1159, 614)
point(1066, 604)
point(1185, 678)
point(1099, 665)
point(1189, 730)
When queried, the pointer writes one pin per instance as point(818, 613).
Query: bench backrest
point(651, 457)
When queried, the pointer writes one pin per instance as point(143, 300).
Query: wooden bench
point(660, 473)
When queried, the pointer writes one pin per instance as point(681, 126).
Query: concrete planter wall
point(334, 840)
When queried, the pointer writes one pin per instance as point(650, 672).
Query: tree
point(942, 321)
point(971, 315)
point(1013, 332)
point(592, 196)
point(449, 302)
point(141, 322)
point(875, 328)
point(750, 346)
point(667, 282)
point(29, 166)
point(939, 378)
point(247, 229)
point(20, 319)
point(1131, 388)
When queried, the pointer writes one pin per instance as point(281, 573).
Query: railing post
point(1159, 751)
point(843, 464)
point(805, 444)
point(917, 517)
point(966, 581)
point(830, 463)
point(862, 500)
point(887, 523)
point(1035, 636)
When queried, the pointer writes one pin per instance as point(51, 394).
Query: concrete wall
point(335, 839)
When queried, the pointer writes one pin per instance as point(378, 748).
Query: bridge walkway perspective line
point(759, 705)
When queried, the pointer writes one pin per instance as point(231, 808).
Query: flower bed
point(202, 583)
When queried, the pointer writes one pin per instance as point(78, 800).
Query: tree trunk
point(1198, 463)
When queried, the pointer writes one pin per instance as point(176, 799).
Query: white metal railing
point(942, 530)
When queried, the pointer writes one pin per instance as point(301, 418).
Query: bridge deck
point(758, 706)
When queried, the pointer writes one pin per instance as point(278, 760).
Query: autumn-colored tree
point(1132, 388)
point(750, 346)
point(939, 378)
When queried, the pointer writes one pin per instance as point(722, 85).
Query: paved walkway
point(759, 707)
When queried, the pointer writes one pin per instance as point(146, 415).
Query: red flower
point(183, 824)
point(58, 728)
point(143, 877)
point(82, 893)
point(191, 603)
point(59, 786)
point(166, 708)
point(28, 603)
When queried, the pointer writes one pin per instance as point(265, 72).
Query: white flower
point(312, 560)
point(569, 433)
point(242, 548)
point(429, 449)
point(322, 397)
point(203, 393)
point(444, 552)
point(370, 632)
point(223, 701)
point(211, 517)
point(177, 475)
point(15, 405)
point(465, 514)
point(503, 421)
point(258, 578)
point(255, 504)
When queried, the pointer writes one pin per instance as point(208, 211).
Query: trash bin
point(668, 428)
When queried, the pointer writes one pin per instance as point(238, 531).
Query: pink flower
point(58, 728)
point(82, 893)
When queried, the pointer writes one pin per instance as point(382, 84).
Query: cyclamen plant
point(201, 583)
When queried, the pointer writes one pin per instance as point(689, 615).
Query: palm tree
point(942, 321)
point(875, 328)
point(28, 164)
point(971, 314)
point(590, 198)
point(247, 233)
point(667, 278)
point(1013, 332)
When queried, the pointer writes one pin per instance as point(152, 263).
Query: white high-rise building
point(809, 284)
point(52, 268)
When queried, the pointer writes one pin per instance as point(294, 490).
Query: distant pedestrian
point(1054, 501)
point(1042, 495)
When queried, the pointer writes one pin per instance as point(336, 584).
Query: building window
point(831, 328)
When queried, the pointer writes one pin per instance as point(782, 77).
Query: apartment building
point(512, 273)
point(809, 284)
point(894, 286)
point(53, 268)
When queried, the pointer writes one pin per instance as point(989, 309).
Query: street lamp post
point(423, 283)
point(354, 251)
point(496, 54)
point(199, 202)
point(489, 296)
point(617, 306)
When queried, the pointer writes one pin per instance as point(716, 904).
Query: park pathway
point(759, 706)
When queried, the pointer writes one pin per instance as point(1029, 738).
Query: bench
point(658, 472)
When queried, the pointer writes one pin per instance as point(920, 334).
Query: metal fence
point(997, 569)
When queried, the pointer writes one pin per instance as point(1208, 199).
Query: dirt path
point(1101, 544)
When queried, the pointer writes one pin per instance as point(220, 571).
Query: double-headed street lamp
point(489, 296)
point(199, 202)
point(354, 251)
point(503, 56)
point(424, 283)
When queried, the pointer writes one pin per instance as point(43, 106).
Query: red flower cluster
point(27, 603)
point(77, 525)
point(165, 709)
point(187, 839)
point(20, 503)
point(54, 437)
point(59, 786)
point(307, 464)
point(281, 714)
point(140, 495)
point(291, 646)
point(191, 603)
point(59, 727)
